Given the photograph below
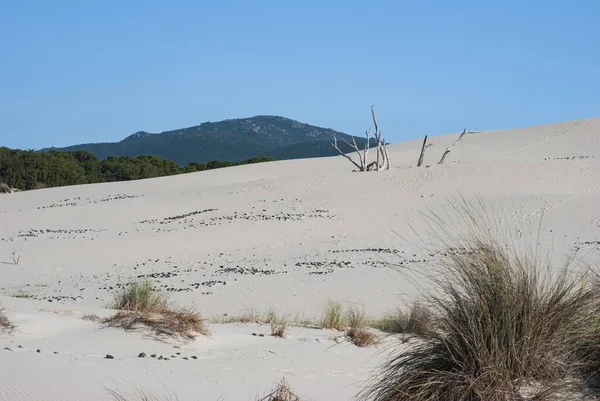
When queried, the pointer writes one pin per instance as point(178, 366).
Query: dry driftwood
point(453, 145)
point(422, 152)
point(382, 158)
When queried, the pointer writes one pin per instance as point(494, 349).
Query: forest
point(28, 169)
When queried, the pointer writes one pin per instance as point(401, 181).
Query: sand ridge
point(287, 235)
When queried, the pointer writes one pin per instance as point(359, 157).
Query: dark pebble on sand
point(142, 355)
point(109, 357)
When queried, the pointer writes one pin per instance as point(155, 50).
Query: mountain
point(233, 140)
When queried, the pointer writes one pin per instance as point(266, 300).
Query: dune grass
point(279, 325)
point(281, 392)
point(5, 324)
point(333, 316)
point(503, 325)
point(140, 296)
point(140, 305)
point(416, 321)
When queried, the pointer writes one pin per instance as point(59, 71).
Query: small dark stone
point(153, 355)
point(38, 351)
point(254, 334)
point(109, 357)
point(261, 335)
point(160, 358)
point(165, 359)
point(186, 358)
point(8, 348)
point(142, 355)
point(56, 353)
point(194, 357)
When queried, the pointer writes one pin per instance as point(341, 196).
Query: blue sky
point(96, 71)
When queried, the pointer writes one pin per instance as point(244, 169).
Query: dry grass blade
point(281, 392)
point(279, 327)
point(502, 322)
point(183, 322)
point(362, 336)
point(5, 324)
point(141, 306)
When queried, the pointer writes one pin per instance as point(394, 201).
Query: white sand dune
point(287, 235)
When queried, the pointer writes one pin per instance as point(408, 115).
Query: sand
point(284, 235)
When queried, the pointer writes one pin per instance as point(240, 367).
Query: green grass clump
point(502, 322)
point(141, 305)
point(418, 320)
point(140, 296)
point(333, 316)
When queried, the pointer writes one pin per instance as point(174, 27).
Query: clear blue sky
point(95, 71)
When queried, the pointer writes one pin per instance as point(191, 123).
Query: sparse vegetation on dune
point(281, 392)
point(333, 316)
point(141, 305)
point(416, 321)
point(5, 324)
point(504, 326)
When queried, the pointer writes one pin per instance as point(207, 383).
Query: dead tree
point(453, 145)
point(422, 152)
point(382, 158)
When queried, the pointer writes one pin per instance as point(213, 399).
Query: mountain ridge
point(231, 139)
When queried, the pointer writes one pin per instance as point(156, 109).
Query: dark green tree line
point(27, 169)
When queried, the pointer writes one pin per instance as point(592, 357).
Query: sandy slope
point(286, 235)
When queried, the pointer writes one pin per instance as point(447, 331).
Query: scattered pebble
point(109, 357)
point(142, 355)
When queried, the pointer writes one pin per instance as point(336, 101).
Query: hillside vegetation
point(27, 169)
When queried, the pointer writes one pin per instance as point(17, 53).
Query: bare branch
point(453, 145)
point(422, 152)
point(335, 145)
point(354, 146)
point(381, 150)
point(387, 157)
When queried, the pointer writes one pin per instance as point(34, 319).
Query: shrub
point(502, 322)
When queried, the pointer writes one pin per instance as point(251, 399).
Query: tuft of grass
point(91, 317)
point(140, 296)
point(333, 316)
point(417, 321)
point(502, 323)
point(355, 317)
point(186, 323)
point(362, 336)
point(140, 305)
point(5, 324)
point(279, 326)
point(281, 392)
